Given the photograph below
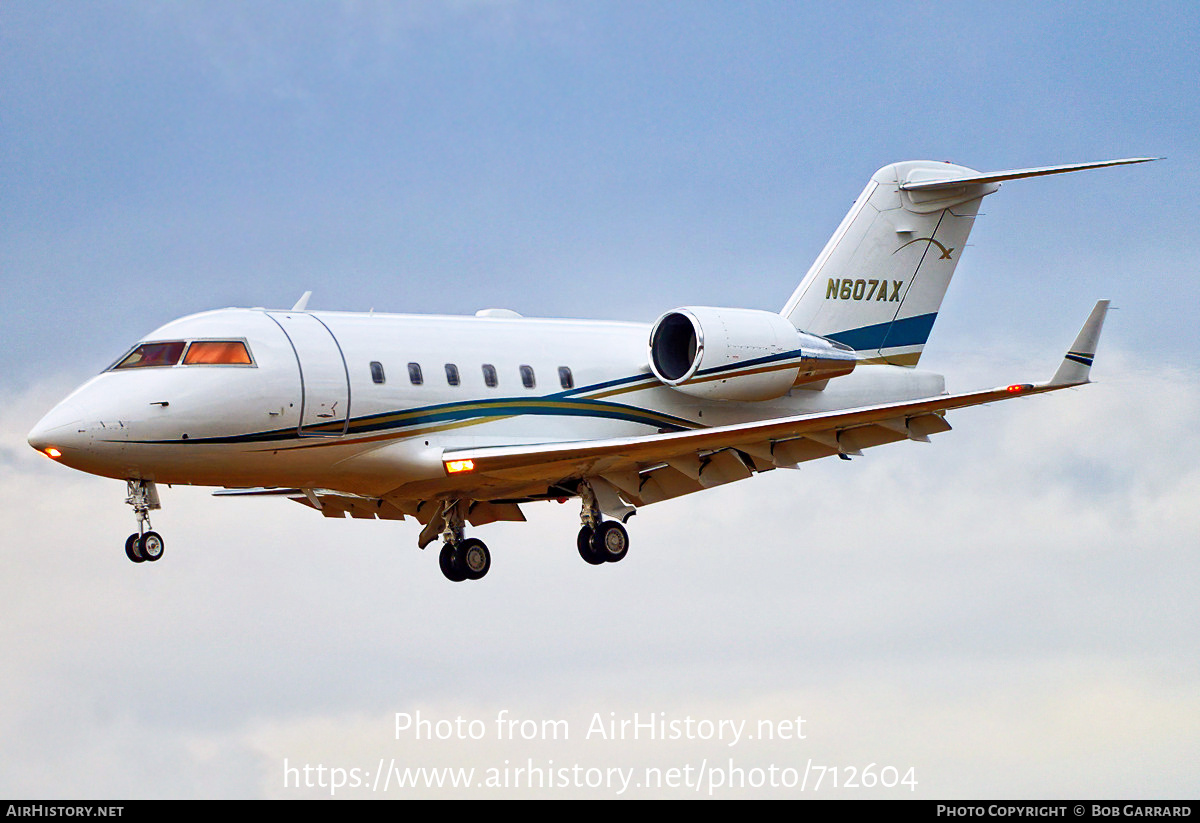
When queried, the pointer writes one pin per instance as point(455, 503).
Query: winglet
point(1078, 361)
point(302, 303)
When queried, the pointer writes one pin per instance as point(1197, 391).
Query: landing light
point(53, 453)
point(1017, 388)
point(456, 466)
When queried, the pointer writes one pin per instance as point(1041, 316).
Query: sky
point(1010, 611)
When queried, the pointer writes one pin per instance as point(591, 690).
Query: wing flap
point(803, 449)
point(329, 503)
point(480, 513)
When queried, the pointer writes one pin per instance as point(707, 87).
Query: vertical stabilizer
point(878, 283)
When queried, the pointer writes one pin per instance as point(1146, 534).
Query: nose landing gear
point(143, 545)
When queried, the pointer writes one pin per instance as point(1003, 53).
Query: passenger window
point(489, 375)
point(152, 354)
point(377, 372)
point(414, 374)
point(565, 378)
point(452, 374)
point(527, 377)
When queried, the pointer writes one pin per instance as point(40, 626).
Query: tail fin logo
point(945, 251)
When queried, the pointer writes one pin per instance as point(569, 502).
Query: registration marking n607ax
point(848, 289)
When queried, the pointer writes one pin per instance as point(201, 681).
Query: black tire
point(448, 560)
point(610, 542)
point(132, 551)
point(584, 543)
point(473, 558)
point(151, 546)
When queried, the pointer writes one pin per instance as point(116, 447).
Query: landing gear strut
point(461, 559)
point(599, 541)
point(144, 545)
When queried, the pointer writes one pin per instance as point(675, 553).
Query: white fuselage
point(309, 410)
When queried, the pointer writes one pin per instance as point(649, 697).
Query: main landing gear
point(467, 558)
point(144, 545)
point(599, 541)
point(461, 559)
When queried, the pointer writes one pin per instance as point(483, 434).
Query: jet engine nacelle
point(740, 354)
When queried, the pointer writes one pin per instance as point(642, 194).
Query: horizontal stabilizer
point(1077, 363)
point(916, 183)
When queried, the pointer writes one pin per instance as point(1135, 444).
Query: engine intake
point(740, 354)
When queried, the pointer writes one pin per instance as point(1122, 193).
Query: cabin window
point(452, 374)
point(217, 353)
point(565, 378)
point(152, 354)
point(414, 374)
point(489, 375)
point(527, 379)
point(377, 375)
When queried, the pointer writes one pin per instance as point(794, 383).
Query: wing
point(657, 467)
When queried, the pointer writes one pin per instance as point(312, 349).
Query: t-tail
point(878, 284)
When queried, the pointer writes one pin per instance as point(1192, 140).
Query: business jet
point(463, 420)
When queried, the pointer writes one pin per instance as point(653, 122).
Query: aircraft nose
point(58, 430)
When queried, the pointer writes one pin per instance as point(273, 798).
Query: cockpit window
point(217, 353)
point(152, 354)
